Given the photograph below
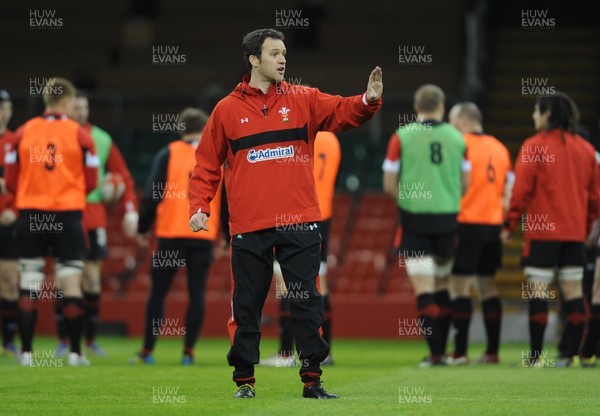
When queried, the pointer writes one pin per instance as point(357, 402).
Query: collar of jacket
point(244, 89)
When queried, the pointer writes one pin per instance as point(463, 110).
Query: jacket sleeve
point(115, 163)
point(525, 179)
point(90, 159)
point(210, 156)
point(593, 196)
point(336, 113)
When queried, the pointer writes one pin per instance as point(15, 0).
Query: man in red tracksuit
point(557, 184)
point(265, 131)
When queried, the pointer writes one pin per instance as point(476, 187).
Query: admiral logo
point(270, 154)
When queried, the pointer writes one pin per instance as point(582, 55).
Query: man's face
point(540, 120)
point(271, 65)
point(81, 110)
point(5, 113)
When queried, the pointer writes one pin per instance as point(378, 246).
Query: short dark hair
point(193, 120)
point(564, 114)
point(253, 41)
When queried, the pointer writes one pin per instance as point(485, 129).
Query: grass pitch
point(371, 377)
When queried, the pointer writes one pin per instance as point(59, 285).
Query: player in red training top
point(265, 130)
point(9, 265)
point(557, 184)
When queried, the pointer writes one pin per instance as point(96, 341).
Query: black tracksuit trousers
point(297, 248)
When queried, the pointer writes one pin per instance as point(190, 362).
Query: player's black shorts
point(97, 244)
point(478, 250)
point(56, 233)
point(324, 230)
point(415, 244)
point(8, 246)
point(428, 234)
point(541, 253)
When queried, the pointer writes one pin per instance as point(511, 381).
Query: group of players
point(458, 196)
point(162, 210)
point(53, 209)
point(459, 199)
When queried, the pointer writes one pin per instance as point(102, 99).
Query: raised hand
point(375, 85)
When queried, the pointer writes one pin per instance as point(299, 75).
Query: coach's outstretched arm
point(337, 113)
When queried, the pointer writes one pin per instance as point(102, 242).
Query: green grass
point(368, 376)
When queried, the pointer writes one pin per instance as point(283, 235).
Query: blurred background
point(145, 60)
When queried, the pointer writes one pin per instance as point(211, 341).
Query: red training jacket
point(268, 143)
point(558, 184)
